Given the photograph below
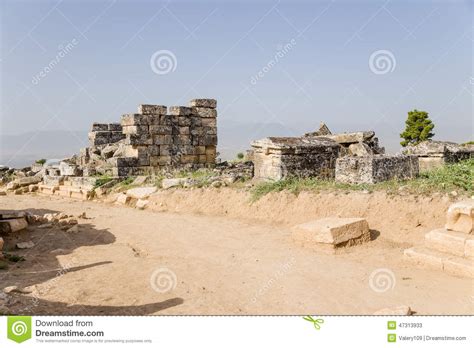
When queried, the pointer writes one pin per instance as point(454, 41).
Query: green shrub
point(41, 161)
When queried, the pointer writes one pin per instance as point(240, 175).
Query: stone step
point(455, 243)
point(47, 189)
point(432, 259)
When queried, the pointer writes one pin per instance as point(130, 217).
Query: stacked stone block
point(449, 249)
point(276, 158)
point(105, 133)
point(374, 169)
point(156, 138)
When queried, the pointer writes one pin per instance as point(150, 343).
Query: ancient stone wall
point(434, 154)
point(278, 157)
point(374, 169)
point(155, 138)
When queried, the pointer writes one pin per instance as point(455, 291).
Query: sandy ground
point(125, 261)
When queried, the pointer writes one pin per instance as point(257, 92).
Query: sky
point(275, 67)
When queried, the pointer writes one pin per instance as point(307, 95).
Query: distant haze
point(276, 68)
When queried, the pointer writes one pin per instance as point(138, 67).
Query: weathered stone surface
point(155, 140)
point(21, 182)
point(351, 138)
point(204, 112)
point(446, 241)
point(433, 154)
point(174, 182)
point(123, 199)
point(322, 131)
point(460, 217)
point(330, 230)
point(276, 158)
point(205, 103)
point(142, 204)
point(68, 169)
point(1, 244)
point(147, 109)
point(393, 311)
point(25, 245)
point(12, 225)
point(360, 149)
point(373, 169)
point(425, 258)
point(180, 110)
point(140, 180)
point(141, 192)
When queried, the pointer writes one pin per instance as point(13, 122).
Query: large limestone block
point(460, 217)
point(330, 230)
point(206, 103)
point(12, 225)
point(141, 192)
point(446, 241)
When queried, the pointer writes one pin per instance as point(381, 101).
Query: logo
point(163, 280)
point(382, 62)
point(382, 280)
point(163, 62)
point(316, 322)
point(19, 329)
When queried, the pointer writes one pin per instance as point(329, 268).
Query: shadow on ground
point(41, 265)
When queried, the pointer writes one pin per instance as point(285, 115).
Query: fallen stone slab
point(332, 232)
point(141, 192)
point(460, 217)
point(123, 199)
point(436, 260)
point(455, 243)
point(374, 169)
point(12, 225)
point(351, 138)
point(141, 204)
point(175, 182)
point(21, 182)
point(398, 310)
point(25, 245)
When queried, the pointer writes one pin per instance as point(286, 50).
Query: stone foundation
point(275, 158)
point(373, 169)
point(434, 154)
point(153, 139)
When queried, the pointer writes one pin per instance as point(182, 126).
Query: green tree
point(418, 128)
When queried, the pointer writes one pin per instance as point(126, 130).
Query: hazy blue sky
point(324, 73)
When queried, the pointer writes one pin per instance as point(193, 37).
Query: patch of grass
point(13, 258)
point(102, 180)
point(453, 177)
point(468, 143)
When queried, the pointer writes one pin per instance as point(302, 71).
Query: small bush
point(41, 161)
point(14, 258)
point(240, 156)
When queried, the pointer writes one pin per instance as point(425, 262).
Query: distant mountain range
point(23, 149)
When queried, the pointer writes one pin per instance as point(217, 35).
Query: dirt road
point(126, 261)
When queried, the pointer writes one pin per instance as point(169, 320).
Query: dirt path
point(222, 266)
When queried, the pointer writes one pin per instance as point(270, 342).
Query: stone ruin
point(434, 154)
point(346, 157)
point(278, 157)
point(151, 140)
point(449, 249)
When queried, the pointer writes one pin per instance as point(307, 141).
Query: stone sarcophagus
point(434, 154)
point(276, 158)
point(374, 169)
